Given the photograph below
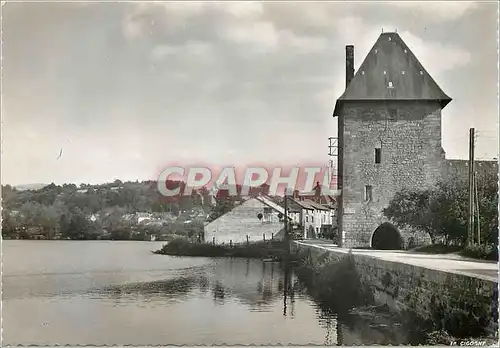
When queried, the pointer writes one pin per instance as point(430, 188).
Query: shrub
point(182, 247)
point(336, 285)
point(481, 251)
point(439, 337)
point(438, 248)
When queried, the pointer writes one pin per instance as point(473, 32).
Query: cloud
point(179, 15)
point(144, 16)
point(260, 33)
point(184, 8)
point(201, 77)
point(435, 56)
point(244, 9)
point(438, 10)
point(192, 49)
point(162, 51)
point(245, 24)
point(132, 27)
point(264, 37)
point(303, 43)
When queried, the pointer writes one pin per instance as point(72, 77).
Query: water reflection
point(172, 289)
point(289, 288)
point(261, 287)
point(254, 283)
point(163, 300)
point(218, 293)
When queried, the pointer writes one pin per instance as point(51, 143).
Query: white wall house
point(142, 217)
point(242, 223)
point(306, 215)
point(324, 217)
point(315, 215)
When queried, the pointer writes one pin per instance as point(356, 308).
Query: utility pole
point(470, 227)
point(478, 221)
point(287, 242)
point(333, 153)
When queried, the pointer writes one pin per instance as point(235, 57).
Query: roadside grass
point(487, 252)
point(438, 249)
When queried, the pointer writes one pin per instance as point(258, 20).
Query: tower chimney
point(349, 64)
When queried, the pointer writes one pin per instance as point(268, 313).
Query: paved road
point(442, 262)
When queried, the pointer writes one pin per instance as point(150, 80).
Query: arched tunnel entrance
point(387, 237)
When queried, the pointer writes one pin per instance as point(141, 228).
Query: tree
point(222, 206)
point(77, 225)
point(8, 194)
point(10, 224)
point(443, 210)
point(122, 233)
point(67, 209)
point(113, 220)
point(48, 220)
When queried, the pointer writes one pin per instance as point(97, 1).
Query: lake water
point(108, 292)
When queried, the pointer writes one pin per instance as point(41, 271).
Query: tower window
point(368, 193)
point(378, 155)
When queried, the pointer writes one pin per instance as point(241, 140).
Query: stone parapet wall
point(459, 169)
point(405, 287)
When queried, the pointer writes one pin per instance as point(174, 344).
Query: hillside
point(91, 211)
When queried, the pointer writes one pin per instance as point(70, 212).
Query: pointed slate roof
point(391, 71)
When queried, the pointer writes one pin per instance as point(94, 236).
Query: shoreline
point(268, 251)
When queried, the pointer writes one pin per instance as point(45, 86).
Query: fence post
point(272, 235)
point(264, 236)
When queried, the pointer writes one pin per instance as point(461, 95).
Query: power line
point(487, 137)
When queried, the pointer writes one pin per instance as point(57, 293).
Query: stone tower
point(389, 131)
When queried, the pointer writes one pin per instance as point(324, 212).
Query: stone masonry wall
point(416, 289)
point(459, 169)
point(242, 221)
point(409, 135)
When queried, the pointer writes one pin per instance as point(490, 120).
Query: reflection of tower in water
point(288, 293)
point(329, 332)
point(285, 291)
point(340, 337)
point(333, 328)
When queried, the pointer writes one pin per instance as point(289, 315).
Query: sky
point(125, 89)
